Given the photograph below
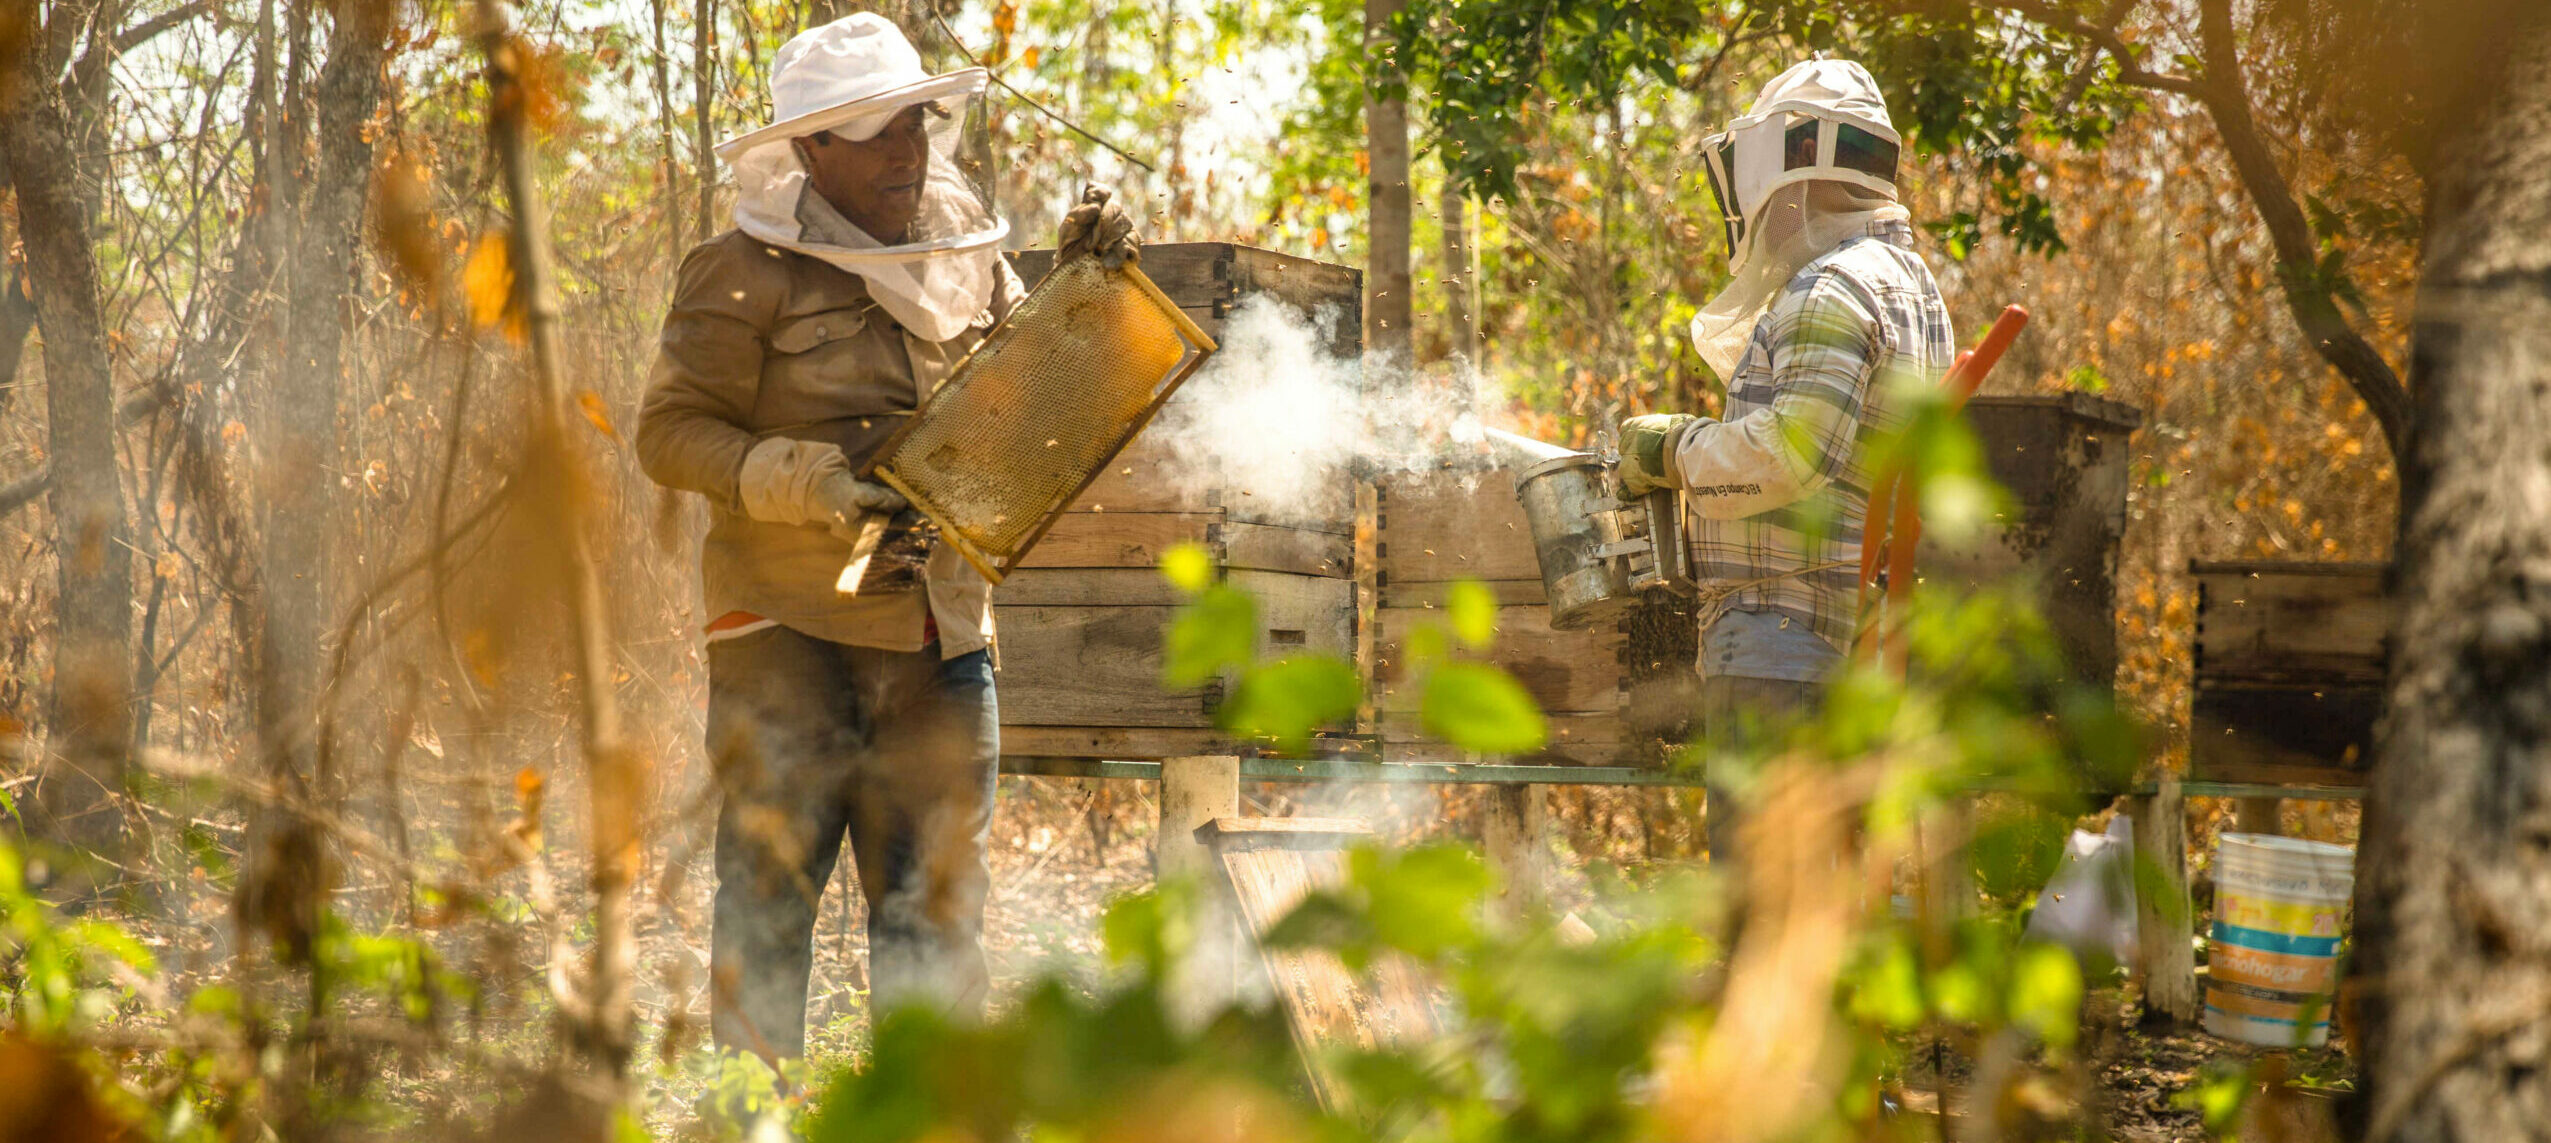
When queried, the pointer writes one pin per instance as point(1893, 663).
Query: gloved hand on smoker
point(1101, 227)
point(1647, 451)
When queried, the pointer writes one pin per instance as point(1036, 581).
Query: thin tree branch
point(25, 490)
point(141, 33)
point(2129, 56)
point(2225, 96)
point(600, 1025)
point(1042, 109)
point(1708, 69)
point(2308, 293)
point(92, 63)
point(2088, 69)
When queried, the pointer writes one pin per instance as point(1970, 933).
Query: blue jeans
point(812, 740)
point(1742, 714)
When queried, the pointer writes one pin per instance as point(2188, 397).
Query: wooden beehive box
point(2290, 661)
point(2064, 460)
point(1460, 520)
point(1081, 621)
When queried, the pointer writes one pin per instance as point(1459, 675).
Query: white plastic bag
point(2089, 906)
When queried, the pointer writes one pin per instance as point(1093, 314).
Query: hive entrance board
point(1038, 410)
point(1271, 864)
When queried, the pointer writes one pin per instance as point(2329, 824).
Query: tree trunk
point(93, 639)
point(2452, 983)
point(300, 430)
point(2309, 297)
point(668, 182)
point(1461, 277)
point(1386, 278)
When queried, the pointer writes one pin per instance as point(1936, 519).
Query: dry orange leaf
point(487, 280)
point(590, 404)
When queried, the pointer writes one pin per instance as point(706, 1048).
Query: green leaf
point(1131, 928)
point(1189, 567)
point(111, 939)
point(1956, 506)
point(1478, 706)
point(1421, 901)
point(2046, 993)
point(215, 1000)
point(1889, 992)
point(1473, 611)
point(1215, 631)
point(1289, 698)
point(1958, 992)
point(1425, 646)
point(2016, 849)
point(2222, 1086)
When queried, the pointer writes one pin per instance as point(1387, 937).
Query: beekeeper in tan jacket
point(864, 264)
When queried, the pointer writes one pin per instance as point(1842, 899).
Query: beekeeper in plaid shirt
point(1831, 318)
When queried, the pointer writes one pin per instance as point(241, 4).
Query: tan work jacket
point(765, 342)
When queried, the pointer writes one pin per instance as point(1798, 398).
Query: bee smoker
point(1600, 554)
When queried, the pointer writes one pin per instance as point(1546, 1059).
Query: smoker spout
point(1516, 452)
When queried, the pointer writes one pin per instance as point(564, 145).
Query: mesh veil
point(936, 281)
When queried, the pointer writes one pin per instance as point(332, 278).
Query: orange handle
point(1892, 524)
point(1965, 376)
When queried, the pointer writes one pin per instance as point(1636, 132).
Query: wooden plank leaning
point(1271, 864)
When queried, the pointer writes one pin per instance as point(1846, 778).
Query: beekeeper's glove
point(809, 483)
point(1647, 451)
point(847, 497)
point(1101, 227)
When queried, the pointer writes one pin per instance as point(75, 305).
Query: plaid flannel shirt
point(1782, 483)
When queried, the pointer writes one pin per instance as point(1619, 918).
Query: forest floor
point(1062, 850)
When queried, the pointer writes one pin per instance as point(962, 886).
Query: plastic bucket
point(2280, 911)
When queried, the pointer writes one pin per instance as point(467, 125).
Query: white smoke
point(1276, 418)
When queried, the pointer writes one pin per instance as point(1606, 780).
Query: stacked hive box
point(1081, 621)
point(2290, 661)
point(2063, 460)
point(1460, 521)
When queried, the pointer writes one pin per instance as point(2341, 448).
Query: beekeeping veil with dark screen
point(852, 78)
point(1811, 163)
